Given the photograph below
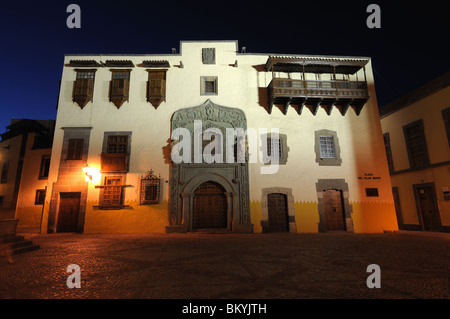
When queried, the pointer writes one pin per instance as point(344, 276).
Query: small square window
point(208, 85)
point(372, 192)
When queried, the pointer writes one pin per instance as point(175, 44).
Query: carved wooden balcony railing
point(328, 93)
point(114, 162)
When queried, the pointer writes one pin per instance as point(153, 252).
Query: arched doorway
point(210, 206)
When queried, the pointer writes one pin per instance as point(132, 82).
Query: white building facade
point(116, 167)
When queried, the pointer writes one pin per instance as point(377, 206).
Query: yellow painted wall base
point(133, 219)
point(374, 217)
point(368, 217)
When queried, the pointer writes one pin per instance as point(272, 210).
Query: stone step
point(24, 249)
point(17, 243)
point(11, 239)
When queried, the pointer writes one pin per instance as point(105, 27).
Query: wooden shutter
point(83, 87)
point(156, 89)
point(112, 192)
point(75, 149)
point(119, 87)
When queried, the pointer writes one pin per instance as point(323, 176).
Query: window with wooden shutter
point(75, 149)
point(156, 87)
point(446, 117)
point(112, 192)
point(416, 144)
point(83, 87)
point(119, 87)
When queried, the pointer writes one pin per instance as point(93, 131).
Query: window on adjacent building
point(119, 87)
point(156, 86)
point(387, 145)
point(42, 141)
point(416, 144)
point(83, 87)
point(446, 117)
point(4, 178)
point(1, 200)
point(40, 197)
point(75, 149)
point(208, 85)
point(45, 166)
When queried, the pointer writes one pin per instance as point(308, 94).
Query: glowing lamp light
point(88, 173)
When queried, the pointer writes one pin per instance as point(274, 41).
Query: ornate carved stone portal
point(186, 178)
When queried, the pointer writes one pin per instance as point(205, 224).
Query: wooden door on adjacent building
point(427, 207)
point(334, 210)
point(398, 208)
point(69, 208)
point(210, 206)
point(278, 213)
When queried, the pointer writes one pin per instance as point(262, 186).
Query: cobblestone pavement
point(231, 266)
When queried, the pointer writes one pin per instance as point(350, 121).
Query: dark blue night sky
point(409, 50)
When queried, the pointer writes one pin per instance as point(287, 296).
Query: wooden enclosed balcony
point(285, 91)
point(114, 162)
point(315, 93)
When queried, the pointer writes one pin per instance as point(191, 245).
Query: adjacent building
point(416, 132)
point(151, 143)
point(25, 151)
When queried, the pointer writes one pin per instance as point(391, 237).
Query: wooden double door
point(69, 210)
point(334, 210)
point(210, 206)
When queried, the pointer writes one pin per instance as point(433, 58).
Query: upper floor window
point(327, 148)
point(387, 145)
point(39, 198)
point(446, 117)
point(117, 144)
point(276, 148)
point(274, 145)
point(4, 177)
point(416, 144)
point(119, 87)
point(156, 86)
point(75, 149)
point(45, 167)
point(83, 87)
